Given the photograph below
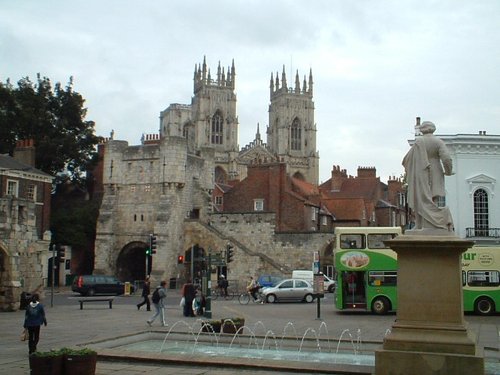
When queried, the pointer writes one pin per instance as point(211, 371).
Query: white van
point(303, 275)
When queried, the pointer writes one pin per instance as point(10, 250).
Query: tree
point(54, 119)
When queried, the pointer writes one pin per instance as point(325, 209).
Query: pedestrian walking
point(146, 290)
point(188, 292)
point(33, 319)
point(159, 302)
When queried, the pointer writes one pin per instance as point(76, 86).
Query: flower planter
point(212, 326)
point(232, 326)
point(46, 364)
point(75, 364)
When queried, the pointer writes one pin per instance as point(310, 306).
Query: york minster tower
point(291, 133)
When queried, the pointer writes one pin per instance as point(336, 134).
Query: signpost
point(318, 284)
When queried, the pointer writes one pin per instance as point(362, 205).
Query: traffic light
point(61, 252)
point(229, 253)
point(148, 251)
point(180, 259)
point(152, 243)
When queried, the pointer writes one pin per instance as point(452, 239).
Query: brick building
point(268, 188)
point(364, 200)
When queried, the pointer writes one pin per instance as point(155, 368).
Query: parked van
point(303, 275)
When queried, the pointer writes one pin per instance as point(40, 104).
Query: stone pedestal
point(430, 335)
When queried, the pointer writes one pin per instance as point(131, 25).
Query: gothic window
point(481, 212)
point(296, 135)
point(220, 175)
point(217, 130)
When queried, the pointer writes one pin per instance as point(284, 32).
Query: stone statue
point(425, 176)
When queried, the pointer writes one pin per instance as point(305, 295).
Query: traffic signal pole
point(52, 246)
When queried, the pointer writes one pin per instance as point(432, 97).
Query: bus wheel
point(380, 305)
point(484, 306)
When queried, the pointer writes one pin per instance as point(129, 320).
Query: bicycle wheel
point(214, 294)
point(244, 299)
point(230, 296)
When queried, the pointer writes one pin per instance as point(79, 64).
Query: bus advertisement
point(367, 272)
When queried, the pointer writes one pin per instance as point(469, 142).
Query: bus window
point(483, 278)
point(383, 278)
point(376, 241)
point(464, 278)
point(352, 241)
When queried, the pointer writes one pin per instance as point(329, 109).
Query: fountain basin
point(180, 349)
point(202, 349)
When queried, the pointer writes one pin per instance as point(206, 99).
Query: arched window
point(481, 224)
point(217, 129)
point(296, 135)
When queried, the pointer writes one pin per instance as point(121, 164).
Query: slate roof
point(9, 163)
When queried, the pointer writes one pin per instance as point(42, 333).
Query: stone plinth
point(430, 335)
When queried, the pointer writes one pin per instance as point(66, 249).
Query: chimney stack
point(25, 151)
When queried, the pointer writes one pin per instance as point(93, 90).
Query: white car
point(289, 290)
point(329, 284)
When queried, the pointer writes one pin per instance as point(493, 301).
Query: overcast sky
point(376, 64)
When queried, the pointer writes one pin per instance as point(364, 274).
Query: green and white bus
point(367, 272)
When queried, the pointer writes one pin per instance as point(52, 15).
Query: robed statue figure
point(424, 165)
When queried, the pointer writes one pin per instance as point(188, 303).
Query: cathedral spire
point(283, 79)
point(310, 81)
point(297, 83)
point(271, 84)
point(204, 70)
point(257, 135)
point(233, 75)
point(304, 87)
point(218, 74)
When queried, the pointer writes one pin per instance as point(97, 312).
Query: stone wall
point(257, 248)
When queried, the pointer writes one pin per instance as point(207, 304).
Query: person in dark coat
point(33, 319)
point(146, 290)
point(188, 292)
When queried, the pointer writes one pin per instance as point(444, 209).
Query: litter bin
point(173, 283)
point(25, 300)
point(127, 288)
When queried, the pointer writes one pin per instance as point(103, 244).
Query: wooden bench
point(82, 300)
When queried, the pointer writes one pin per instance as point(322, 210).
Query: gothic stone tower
point(214, 117)
point(291, 133)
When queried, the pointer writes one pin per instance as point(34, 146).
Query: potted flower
point(46, 363)
point(232, 325)
point(211, 326)
point(79, 361)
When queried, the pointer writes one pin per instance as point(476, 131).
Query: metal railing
point(482, 232)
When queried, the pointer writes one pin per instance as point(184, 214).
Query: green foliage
point(51, 353)
point(73, 221)
point(78, 352)
point(54, 118)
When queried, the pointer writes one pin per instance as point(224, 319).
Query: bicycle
point(244, 298)
point(216, 293)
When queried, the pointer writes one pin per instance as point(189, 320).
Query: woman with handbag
point(33, 319)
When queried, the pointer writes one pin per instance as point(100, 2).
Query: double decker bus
point(367, 272)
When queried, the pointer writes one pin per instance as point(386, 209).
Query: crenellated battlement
point(278, 88)
point(203, 78)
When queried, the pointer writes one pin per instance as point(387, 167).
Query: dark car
point(268, 280)
point(89, 285)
